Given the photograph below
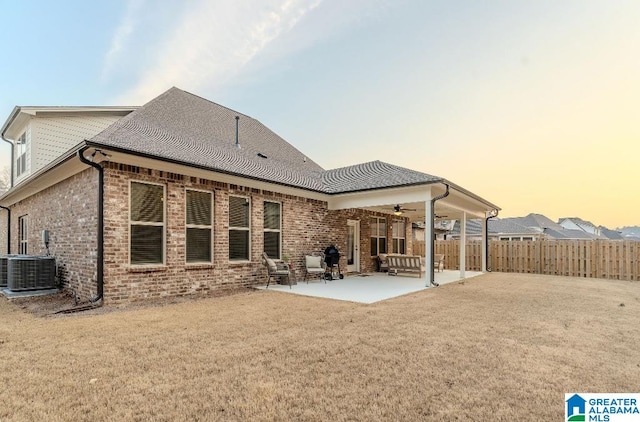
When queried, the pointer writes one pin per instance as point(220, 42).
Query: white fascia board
point(388, 196)
point(463, 202)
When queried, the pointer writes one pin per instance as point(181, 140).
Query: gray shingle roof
point(611, 234)
point(538, 221)
point(372, 175)
point(583, 224)
point(186, 128)
point(182, 127)
point(496, 226)
point(569, 234)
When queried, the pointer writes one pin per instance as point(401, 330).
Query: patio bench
point(410, 264)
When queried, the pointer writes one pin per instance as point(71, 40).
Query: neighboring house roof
point(632, 232)
point(536, 221)
point(182, 127)
point(611, 234)
point(495, 226)
point(569, 234)
point(583, 224)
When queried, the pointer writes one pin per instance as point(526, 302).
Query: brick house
point(181, 196)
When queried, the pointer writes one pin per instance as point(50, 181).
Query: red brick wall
point(307, 226)
point(68, 211)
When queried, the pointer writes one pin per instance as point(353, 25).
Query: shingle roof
point(583, 224)
point(495, 226)
point(182, 127)
point(611, 234)
point(372, 175)
point(538, 221)
point(569, 234)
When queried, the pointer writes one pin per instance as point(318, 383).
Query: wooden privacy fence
point(577, 258)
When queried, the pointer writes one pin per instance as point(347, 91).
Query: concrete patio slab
point(366, 288)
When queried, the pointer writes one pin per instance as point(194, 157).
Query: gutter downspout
point(494, 214)
point(8, 228)
point(432, 275)
point(100, 258)
point(12, 163)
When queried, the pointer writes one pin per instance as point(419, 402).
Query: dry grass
point(496, 347)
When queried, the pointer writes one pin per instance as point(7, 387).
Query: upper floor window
point(378, 235)
point(147, 217)
point(272, 229)
point(199, 225)
point(399, 237)
point(22, 234)
point(21, 154)
point(239, 228)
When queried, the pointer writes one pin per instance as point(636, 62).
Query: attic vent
point(261, 155)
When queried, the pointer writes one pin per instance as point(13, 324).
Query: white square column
point(428, 236)
point(484, 245)
point(463, 244)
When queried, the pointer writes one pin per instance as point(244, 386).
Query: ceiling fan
point(399, 210)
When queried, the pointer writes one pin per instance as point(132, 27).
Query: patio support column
point(463, 243)
point(428, 244)
point(484, 245)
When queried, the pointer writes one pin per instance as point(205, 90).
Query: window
point(199, 225)
point(146, 235)
point(272, 231)
point(21, 154)
point(398, 237)
point(378, 235)
point(22, 234)
point(239, 228)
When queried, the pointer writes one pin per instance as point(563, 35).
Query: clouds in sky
point(204, 45)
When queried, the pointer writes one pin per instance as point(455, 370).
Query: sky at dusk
point(533, 105)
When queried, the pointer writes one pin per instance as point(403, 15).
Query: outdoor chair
point(383, 262)
point(314, 264)
point(276, 269)
point(438, 262)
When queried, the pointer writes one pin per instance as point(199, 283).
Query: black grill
point(332, 259)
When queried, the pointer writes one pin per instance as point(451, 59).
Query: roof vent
point(261, 155)
point(237, 142)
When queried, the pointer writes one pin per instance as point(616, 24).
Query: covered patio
point(414, 197)
point(367, 288)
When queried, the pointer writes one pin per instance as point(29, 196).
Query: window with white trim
point(398, 238)
point(146, 223)
point(21, 154)
point(199, 216)
point(272, 229)
point(22, 234)
point(378, 235)
point(239, 228)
